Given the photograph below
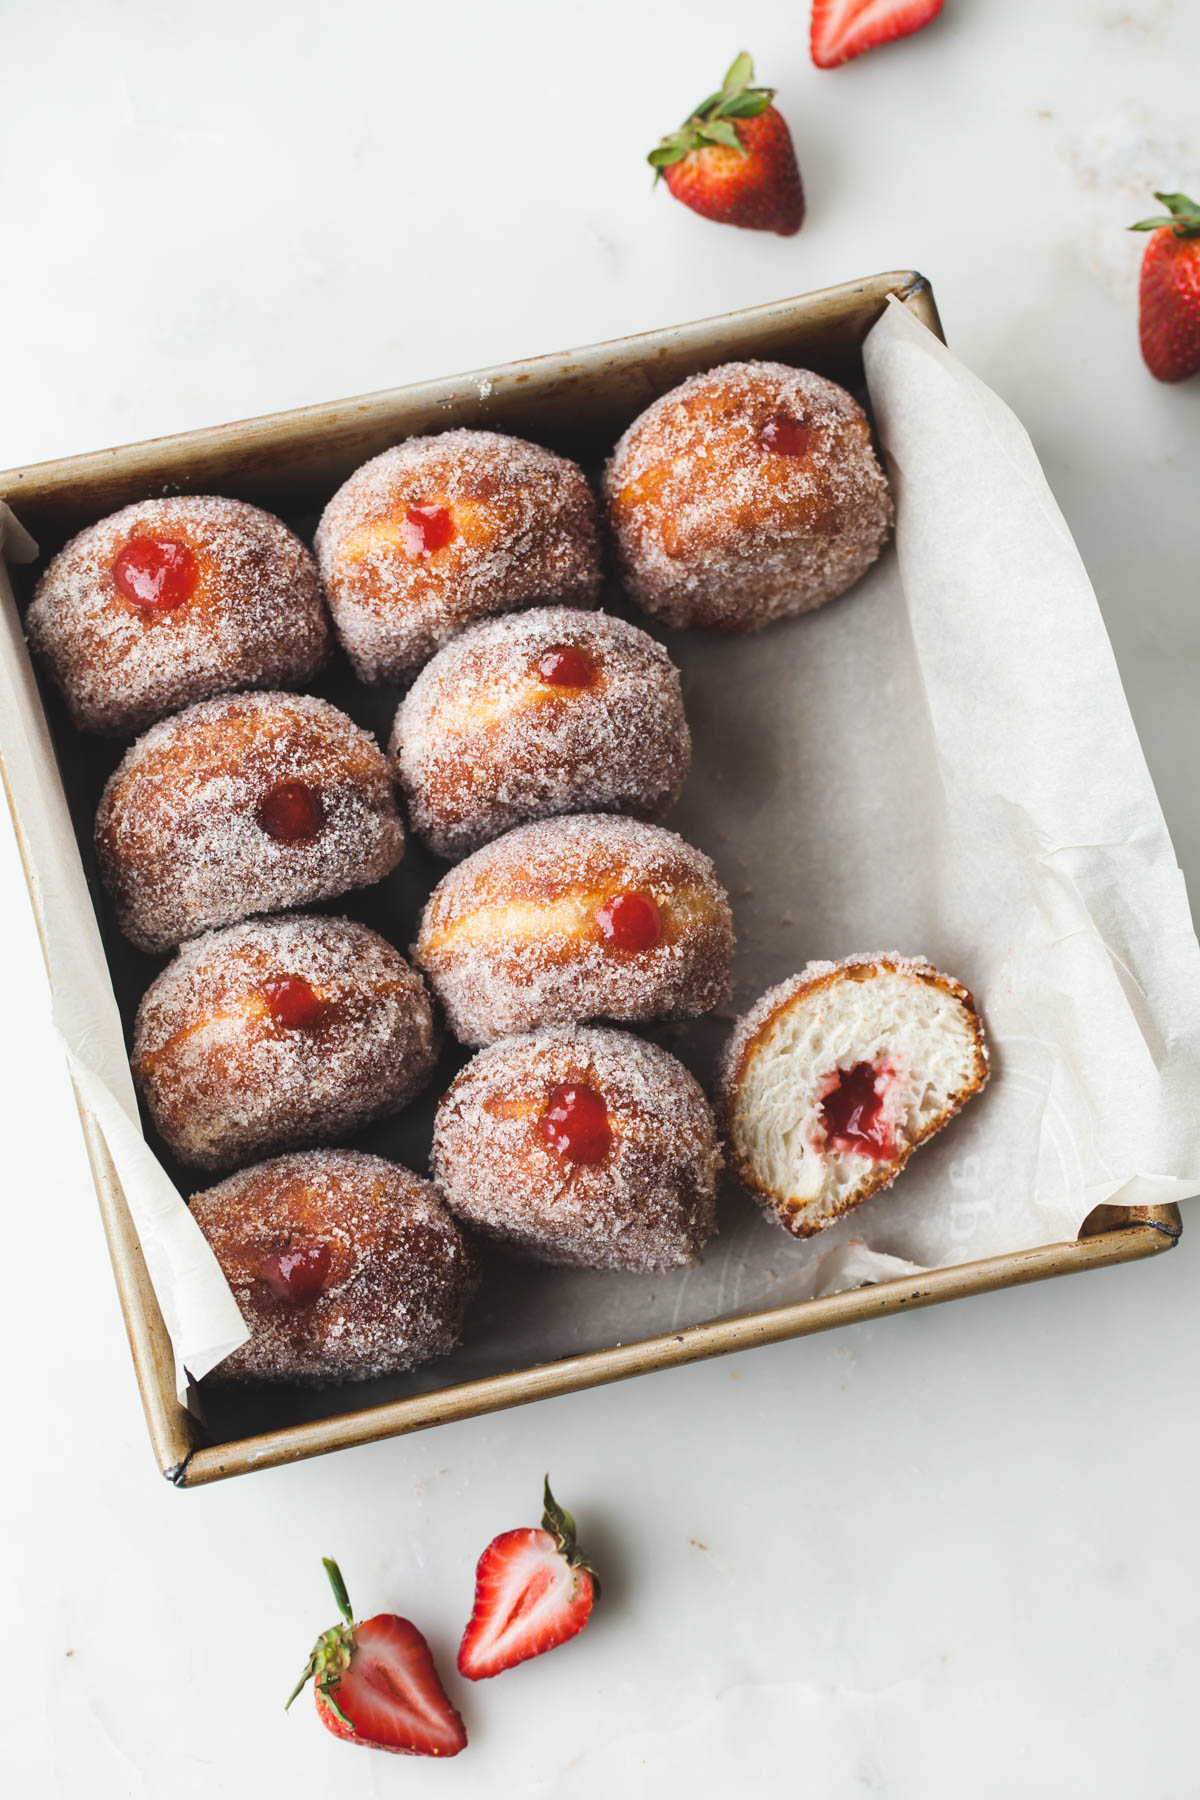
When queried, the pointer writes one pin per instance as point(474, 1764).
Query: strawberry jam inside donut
point(852, 1112)
point(786, 436)
point(564, 666)
point(426, 529)
point(292, 813)
point(297, 1275)
point(575, 1123)
point(293, 1004)
point(157, 574)
point(630, 922)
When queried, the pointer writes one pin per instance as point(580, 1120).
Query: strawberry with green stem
point(375, 1684)
point(534, 1589)
point(1169, 292)
point(732, 159)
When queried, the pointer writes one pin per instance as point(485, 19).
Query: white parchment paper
point(942, 763)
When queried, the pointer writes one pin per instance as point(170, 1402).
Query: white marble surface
point(948, 1554)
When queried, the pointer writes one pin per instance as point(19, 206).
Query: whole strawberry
point(375, 1684)
point(533, 1590)
point(1169, 295)
point(732, 160)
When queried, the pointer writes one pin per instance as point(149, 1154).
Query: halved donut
point(832, 1080)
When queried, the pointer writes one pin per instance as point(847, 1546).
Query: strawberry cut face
point(528, 1599)
point(842, 29)
point(375, 1684)
point(390, 1697)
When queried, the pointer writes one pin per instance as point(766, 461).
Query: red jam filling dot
point(786, 436)
point(293, 1003)
point(158, 574)
point(426, 529)
point(630, 922)
point(564, 666)
point(852, 1113)
point(296, 1276)
point(575, 1123)
point(291, 813)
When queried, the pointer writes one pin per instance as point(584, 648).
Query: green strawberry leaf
point(746, 105)
point(665, 155)
point(739, 74)
point(1179, 204)
point(1182, 217)
point(720, 131)
point(339, 1589)
point(556, 1519)
point(561, 1526)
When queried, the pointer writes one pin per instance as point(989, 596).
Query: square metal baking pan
point(577, 402)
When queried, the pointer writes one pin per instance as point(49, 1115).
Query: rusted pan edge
point(1151, 1236)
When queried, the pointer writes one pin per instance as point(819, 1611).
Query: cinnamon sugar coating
point(483, 742)
point(255, 618)
point(226, 1079)
point(522, 531)
point(397, 1273)
point(715, 528)
point(510, 940)
point(650, 1204)
point(178, 834)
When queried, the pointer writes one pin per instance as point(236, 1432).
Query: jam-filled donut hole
point(583, 1146)
point(536, 713)
point(344, 1267)
point(280, 1032)
point(252, 803)
point(442, 531)
point(747, 494)
point(171, 601)
point(590, 916)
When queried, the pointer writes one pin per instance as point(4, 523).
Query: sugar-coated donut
point(581, 1146)
point(344, 1266)
point(170, 601)
point(832, 1080)
point(277, 1033)
point(442, 531)
point(745, 495)
point(585, 917)
point(251, 803)
point(536, 713)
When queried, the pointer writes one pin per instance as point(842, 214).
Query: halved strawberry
point(375, 1684)
point(533, 1590)
point(845, 28)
